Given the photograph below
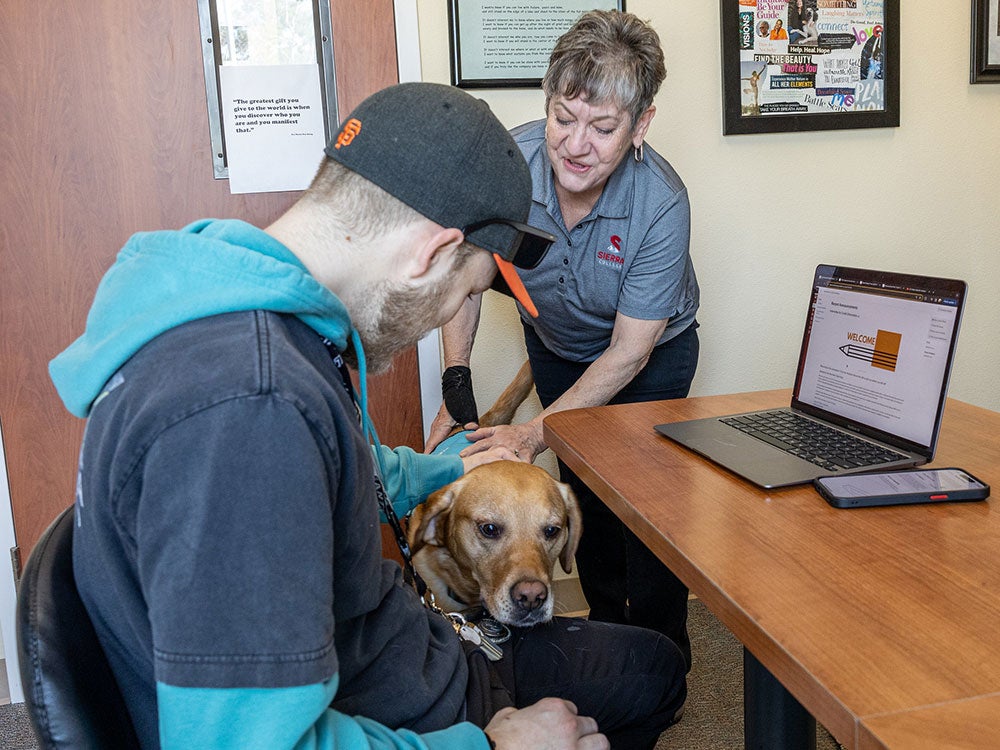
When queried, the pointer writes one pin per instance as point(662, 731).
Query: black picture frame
point(985, 28)
point(874, 102)
point(505, 51)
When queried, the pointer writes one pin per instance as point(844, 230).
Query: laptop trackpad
point(746, 456)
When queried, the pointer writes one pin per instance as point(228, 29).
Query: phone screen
point(900, 483)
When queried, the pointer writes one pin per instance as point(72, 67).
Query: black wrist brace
point(456, 387)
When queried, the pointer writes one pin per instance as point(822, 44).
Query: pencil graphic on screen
point(884, 354)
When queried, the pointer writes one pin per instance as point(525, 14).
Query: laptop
point(872, 375)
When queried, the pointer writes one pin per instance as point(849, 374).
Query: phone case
point(866, 501)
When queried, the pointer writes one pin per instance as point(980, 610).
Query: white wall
point(767, 208)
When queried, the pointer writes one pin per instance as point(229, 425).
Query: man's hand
point(523, 440)
point(550, 724)
point(497, 453)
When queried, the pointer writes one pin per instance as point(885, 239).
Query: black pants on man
point(631, 680)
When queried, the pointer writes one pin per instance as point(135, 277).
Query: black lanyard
point(489, 633)
point(410, 574)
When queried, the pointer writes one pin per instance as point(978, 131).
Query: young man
point(227, 544)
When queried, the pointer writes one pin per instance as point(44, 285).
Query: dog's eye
point(551, 532)
point(489, 530)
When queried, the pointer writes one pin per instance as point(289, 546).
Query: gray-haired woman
point(616, 293)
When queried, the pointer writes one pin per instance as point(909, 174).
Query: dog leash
point(489, 633)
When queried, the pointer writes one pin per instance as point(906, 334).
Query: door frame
point(429, 347)
point(8, 586)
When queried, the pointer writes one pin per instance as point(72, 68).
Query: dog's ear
point(574, 523)
point(429, 521)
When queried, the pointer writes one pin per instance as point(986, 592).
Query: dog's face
point(493, 537)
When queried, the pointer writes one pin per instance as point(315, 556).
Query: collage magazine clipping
point(811, 56)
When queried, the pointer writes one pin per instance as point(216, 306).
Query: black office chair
point(71, 693)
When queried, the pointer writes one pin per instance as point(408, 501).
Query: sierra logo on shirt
point(611, 256)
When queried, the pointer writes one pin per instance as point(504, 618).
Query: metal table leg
point(772, 718)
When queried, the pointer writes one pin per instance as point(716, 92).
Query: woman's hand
point(441, 428)
point(524, 441)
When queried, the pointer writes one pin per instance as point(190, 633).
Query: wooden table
point(884, 623)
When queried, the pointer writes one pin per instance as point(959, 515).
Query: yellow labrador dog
point(492, 538)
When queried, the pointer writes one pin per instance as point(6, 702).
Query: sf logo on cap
point(351, 128)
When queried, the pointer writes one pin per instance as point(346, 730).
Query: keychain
point(468, 631)
point(495, 630)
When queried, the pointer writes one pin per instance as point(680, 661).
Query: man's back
point(227, 531)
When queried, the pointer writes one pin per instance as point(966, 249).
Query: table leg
point(772, 718)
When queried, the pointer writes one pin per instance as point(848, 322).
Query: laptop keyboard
point(824, 446)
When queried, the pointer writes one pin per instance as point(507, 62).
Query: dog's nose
point(528, 595)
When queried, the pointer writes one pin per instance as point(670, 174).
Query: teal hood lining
point(161, 280)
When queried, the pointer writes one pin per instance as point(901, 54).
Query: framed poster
point(507, 43)
point(793, 65)
point(985, 42)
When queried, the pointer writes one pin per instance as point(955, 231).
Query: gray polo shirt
point(629, 254)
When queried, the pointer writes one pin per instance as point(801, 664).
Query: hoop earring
point(637, 153)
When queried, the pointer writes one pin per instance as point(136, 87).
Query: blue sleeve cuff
point(295, 718)
point(410, 477)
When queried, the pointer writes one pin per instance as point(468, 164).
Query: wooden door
point(104, 132)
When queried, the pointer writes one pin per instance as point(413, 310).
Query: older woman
point(616, 293)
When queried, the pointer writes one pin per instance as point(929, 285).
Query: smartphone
point(901, 487)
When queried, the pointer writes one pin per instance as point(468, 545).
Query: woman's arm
point(457, 337)
point(632, 341)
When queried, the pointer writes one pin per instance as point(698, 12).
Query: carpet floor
point(713, 713)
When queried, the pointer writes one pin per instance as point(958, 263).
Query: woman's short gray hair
point(607, 56)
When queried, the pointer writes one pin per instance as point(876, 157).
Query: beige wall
point(767, 208)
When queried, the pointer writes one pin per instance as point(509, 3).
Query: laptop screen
point(877, 352)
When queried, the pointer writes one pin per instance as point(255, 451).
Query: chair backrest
point(70, 691)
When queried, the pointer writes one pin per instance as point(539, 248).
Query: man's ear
point(435, 252)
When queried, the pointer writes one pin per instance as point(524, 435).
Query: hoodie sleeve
point(287, 718)
point(409, 477)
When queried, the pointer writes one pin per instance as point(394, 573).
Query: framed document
point(985, 42)
point(507, 43)
point(791, 65)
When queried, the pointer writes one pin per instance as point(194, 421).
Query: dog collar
point(455, 597)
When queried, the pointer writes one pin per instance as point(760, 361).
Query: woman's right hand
point(441, 427)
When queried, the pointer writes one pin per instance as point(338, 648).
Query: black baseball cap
point(444, 154)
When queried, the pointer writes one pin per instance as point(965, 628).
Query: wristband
point(493, 745)
point(456, 388)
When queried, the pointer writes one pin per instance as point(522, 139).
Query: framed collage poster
point(985, 42)
point(507, 43)
point(795, 65)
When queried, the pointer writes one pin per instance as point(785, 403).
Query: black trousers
point(622, 580)
point(631, 680)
